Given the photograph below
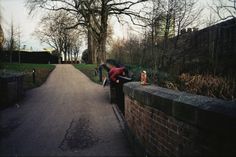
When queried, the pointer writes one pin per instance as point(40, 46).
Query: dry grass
point(208, 85)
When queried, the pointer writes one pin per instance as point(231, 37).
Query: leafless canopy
point(225, 9)
point(91, 14)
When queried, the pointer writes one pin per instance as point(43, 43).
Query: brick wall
point(170, 123)
point(11, 89)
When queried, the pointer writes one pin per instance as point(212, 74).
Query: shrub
point(209, 85)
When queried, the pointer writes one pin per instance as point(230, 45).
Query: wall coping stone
point(201, 111)
point(9, 75)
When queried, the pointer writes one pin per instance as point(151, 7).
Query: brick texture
point(164, 135)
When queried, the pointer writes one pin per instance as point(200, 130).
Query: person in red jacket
point(114, 72)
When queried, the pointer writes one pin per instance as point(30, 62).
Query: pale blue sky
point(16, 10)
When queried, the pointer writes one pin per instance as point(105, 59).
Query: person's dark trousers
point(100, 73)
point(120, 96)
point(113, 90)
point(117, 95)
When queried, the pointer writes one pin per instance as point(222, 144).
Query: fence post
point(33, 75)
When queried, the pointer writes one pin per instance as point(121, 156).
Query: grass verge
point(42, 73)
point(90, 71)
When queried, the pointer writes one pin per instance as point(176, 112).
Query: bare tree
point(18, 44)
point(93, 15)
point(168, 18)
point(11, 40)
point(1, 30)
point(162, 24)
point(1, 37)
point(186, 14)
point(53, 31)
point(225, 9)
point(211, 19)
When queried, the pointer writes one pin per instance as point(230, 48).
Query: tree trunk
point(90, 49)
point(167, 31)
point(103, 33)
point(178, 34)
point(166, 35)
point(92, 43)
point(94, 50)
point(19, 57)
point(1, 38)
point(102, 49)
point(65, 57)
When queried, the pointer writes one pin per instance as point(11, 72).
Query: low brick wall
point(163, 122)
point(11, 89)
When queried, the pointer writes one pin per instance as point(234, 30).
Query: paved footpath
point(67, 116)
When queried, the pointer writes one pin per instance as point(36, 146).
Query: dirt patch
point(79, 136)
point(5, 130)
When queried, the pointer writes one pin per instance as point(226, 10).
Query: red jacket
point(114, 72)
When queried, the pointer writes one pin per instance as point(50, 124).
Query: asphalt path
point(68, 115)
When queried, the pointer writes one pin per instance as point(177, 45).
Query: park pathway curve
point(68, 115)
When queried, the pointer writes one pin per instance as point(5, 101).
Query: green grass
point(90, 71)
point(42, 72)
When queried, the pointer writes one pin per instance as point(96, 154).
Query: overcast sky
point(16, 10)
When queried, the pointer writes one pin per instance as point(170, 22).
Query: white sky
point(16, 10)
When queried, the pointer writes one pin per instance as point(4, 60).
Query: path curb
point(119, 116)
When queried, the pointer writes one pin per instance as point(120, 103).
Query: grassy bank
point(90, 71)
point(200, 84)
point(42, 72)
point(205, 84)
